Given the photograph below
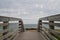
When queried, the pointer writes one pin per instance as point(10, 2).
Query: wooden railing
point(51, 33)
point(5, 34)
point(46, 32)
point(8, 36)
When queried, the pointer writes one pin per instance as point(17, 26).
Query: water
point(14, 26)
point(30, 25)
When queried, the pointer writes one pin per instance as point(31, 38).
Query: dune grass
point(58, 37)
point(0, 35)
point(58, 30)
point(30, 28)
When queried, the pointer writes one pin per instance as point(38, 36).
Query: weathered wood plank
point(51, 18)
point(5, 18)
point(30, 35)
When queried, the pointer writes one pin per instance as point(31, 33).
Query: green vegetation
point(56, 36)
point(30, 28)
point(58, 30)
point(0, 35)
point(10, 36)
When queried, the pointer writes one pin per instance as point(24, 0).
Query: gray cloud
point(29, 10)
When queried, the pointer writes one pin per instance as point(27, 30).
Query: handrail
point(14, 34)
point(9, 34)
point(4, 31)
point(45, 35)
point(5, 34)
point(53, 31)
point(49, 35)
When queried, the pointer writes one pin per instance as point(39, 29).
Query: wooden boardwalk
point(30, 35)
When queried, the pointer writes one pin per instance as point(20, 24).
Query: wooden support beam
point(40, 25)
point(5, 26)
point(21, 26)
point(51, 24)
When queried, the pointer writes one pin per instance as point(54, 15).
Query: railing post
point(21, 27)
point(51, 24)
point(40, 25)
point(5, 27)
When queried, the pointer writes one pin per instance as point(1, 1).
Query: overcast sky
point(29, 10)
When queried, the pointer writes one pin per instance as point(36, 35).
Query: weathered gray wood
point(51, 18)
point(4, 18)
point(5, 27)
point(46, 31)
point(9, 34)
point(5, 33)
point(13, 35)
point(52, 31)
point(40, 25)
point(49, 36)
point(30, 35)
point(21, 26)
point(51, 25)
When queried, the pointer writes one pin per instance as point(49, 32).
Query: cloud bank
point(29, 10)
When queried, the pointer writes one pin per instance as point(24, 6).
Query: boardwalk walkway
point(30, 35)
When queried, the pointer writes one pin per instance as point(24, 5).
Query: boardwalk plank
point(30, 35)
